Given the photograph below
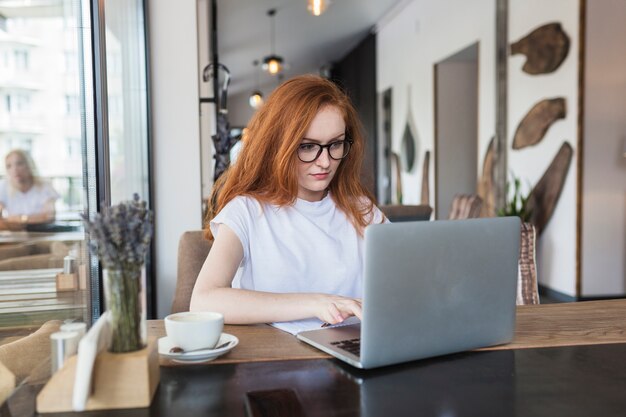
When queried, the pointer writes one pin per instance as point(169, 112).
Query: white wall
point(409, 42)
point(423, 33)
point(556, 248)
point(604, 167)
point(175, 134)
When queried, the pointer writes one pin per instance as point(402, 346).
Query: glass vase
point(125, 297)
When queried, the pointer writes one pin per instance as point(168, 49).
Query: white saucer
point(204, 355)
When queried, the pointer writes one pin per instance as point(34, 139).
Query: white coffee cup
point(194, 330)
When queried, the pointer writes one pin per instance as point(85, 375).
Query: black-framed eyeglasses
point(337, 150)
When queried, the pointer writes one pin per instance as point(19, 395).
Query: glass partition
point(127, 99)
point(46, 133)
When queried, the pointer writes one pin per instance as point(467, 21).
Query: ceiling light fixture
point(272, 63)
point(256, 98)
point(317, 7)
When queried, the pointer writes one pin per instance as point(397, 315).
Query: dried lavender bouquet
point(120, 237)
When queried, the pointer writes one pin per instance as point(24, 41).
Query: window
point(70, 62)
point(21, 59)
point(73, 147)
point(71, 105)
point(24, 143)
point(36, 130)
point(68, 151)
point(127, 100)
point(17, 103)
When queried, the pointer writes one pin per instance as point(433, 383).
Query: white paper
point(295, 327)
point(95, 341)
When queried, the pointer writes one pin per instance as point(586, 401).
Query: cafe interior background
point(112, 97)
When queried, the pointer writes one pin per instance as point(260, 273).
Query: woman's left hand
point(334, 309)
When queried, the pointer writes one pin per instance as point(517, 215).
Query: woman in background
point(24, 197)
point(288, 217)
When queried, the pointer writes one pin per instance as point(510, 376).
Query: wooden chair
point(193, 249)
point(399, 213)
point(30, 353)
point(7, 383)
point(527, 287)
point(32, 255)
point(465, 206)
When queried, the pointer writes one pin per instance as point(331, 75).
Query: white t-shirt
point(308, 247)
point(30, 202)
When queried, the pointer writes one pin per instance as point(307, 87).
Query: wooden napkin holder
point(120, 380)
point(66, 282)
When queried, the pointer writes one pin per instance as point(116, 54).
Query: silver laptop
point(430, 288)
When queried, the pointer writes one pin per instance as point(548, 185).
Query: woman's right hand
point(334, 309)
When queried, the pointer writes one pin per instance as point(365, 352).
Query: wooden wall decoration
point(396, 161)
point(545, 195)
point(485, 187)
point(425, 198)
point(385, 168)
point(535, 124)
point(409, 143)
point(408, 148)
point(545, 48)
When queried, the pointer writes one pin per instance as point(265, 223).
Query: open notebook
point(295, 327)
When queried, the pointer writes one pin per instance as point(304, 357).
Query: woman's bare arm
point(213, 292)
point(46, 215)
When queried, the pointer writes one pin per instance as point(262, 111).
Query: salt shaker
point(63, 345)
point(77, 326)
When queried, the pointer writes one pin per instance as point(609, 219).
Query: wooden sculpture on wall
point(545, 195)
point(545, 48)
point(535, 124)
point(408, 148)
point(425, 198)
point(486, 184)
point(408, 145)
point(396, 162)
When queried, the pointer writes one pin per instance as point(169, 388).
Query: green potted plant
point(517, 204)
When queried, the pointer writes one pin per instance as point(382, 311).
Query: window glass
point(127, 99)
point(46, 128)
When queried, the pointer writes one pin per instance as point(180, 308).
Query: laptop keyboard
point(350, 345)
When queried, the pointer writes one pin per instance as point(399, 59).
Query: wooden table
point(537, 326)
point(29, 297)
point(23, 236)
point(566, 360)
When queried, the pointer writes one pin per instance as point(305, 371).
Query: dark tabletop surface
point(559, 381)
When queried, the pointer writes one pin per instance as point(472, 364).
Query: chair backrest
point(400, 213)
point(23, 356)
point(527, 287)
point(193, 249)
point(465, 206)
point(7, 383)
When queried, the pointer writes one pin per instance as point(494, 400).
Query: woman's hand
point(334, 309)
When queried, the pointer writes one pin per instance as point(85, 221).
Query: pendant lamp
point(256, 98)
point(272, 63)
point(317, 7)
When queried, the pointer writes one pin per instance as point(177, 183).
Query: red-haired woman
point(288, 216)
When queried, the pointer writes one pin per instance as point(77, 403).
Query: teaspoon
point(177, 349)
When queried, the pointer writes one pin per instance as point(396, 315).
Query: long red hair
point(266, 165)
